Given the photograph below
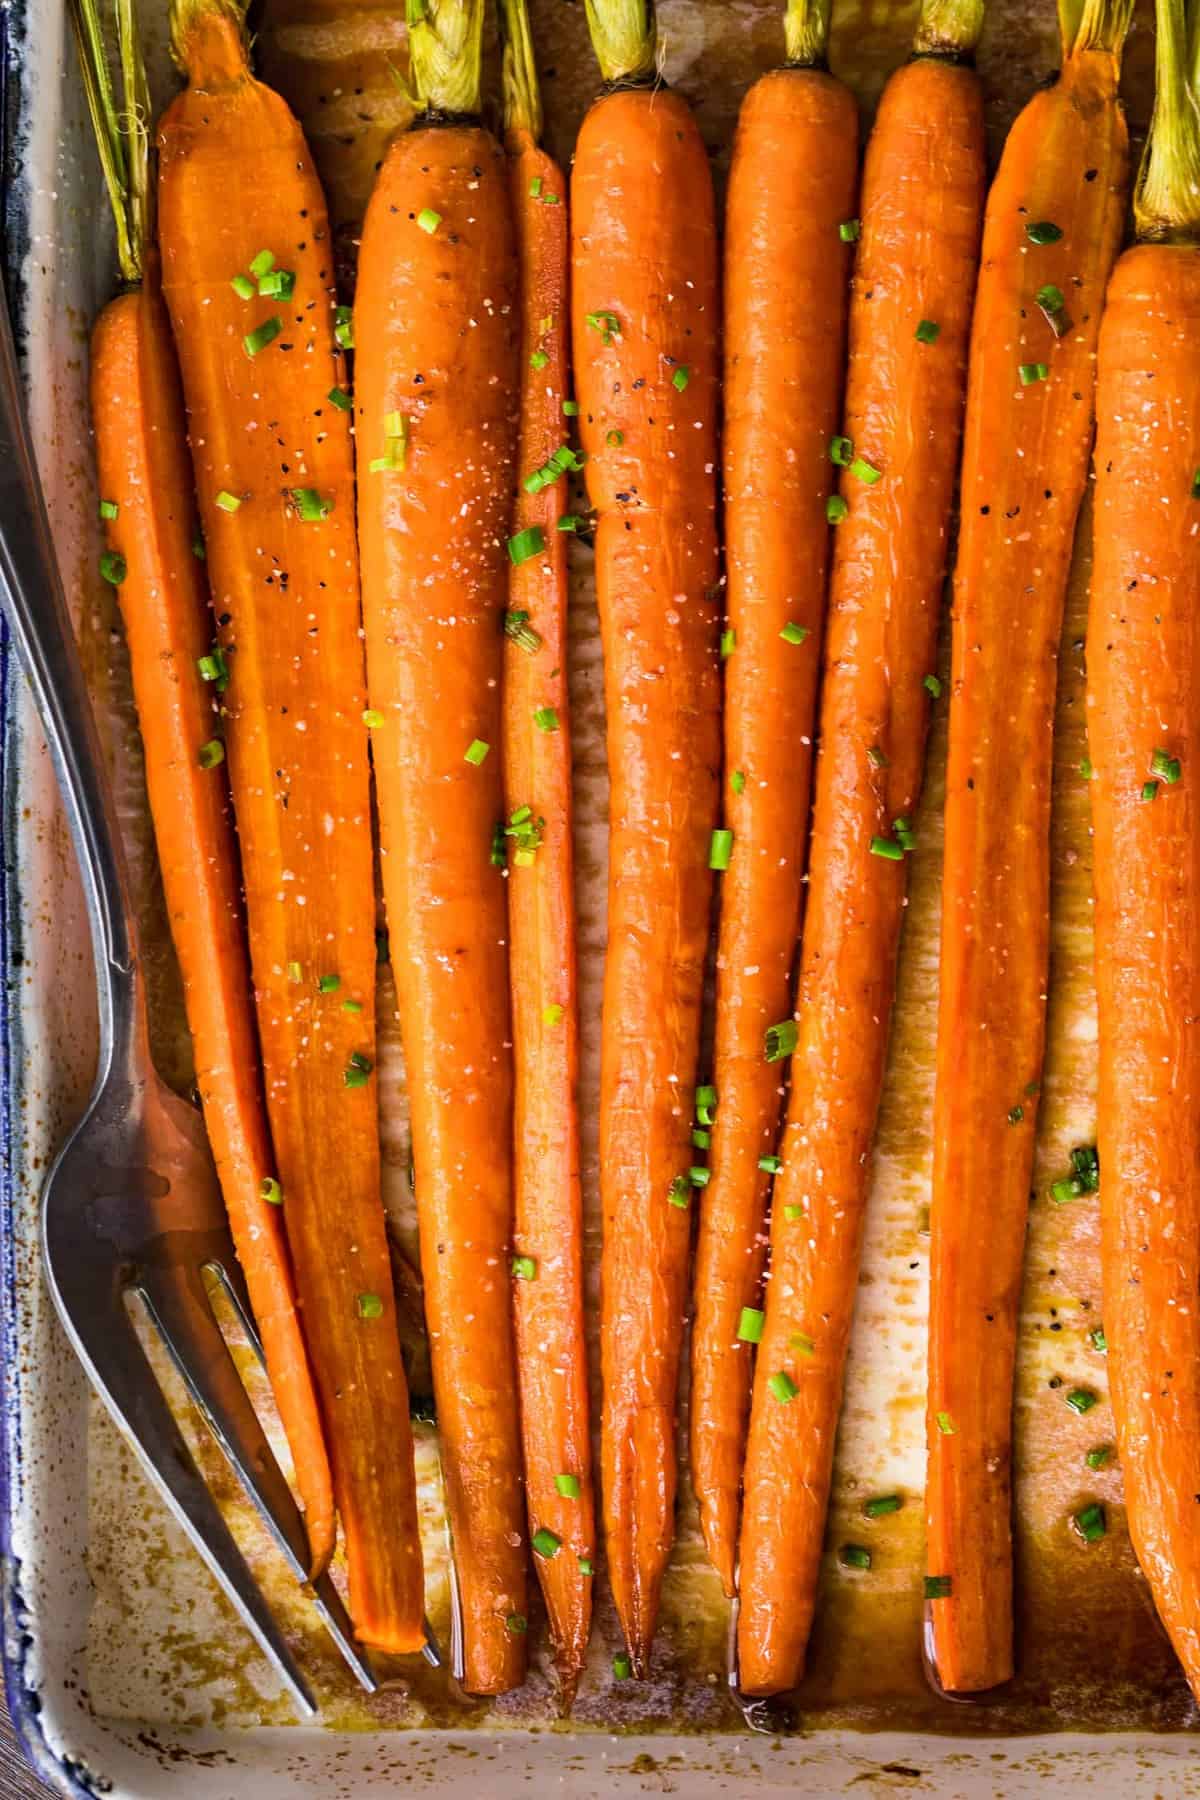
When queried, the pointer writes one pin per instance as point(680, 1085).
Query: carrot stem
point(1094, 25)
point(1167, 201)
point(948, 28)
point(445, 39)
point(806, 32)
point(522, 91)
point(624, 37)
point(124, 153)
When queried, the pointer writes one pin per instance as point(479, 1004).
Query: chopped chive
point(1015, 1114)
point(615, 439)
point(552, 1014)
point(780, 1040)
point(373, 719)
point(329, 984)
point(1097, 1339)
point(876, 757)
point(938, 1587)
point(538, 359)
point(770, 1165)
point(622, 1667)
point(311, 505)
point(357, 1070)
point(294, 973)
point(1085, 1165)
point(793, 633)
point(1166, 767)
point(547, 1543)
point(517, 1623)
point(476, 751)
point(706, 1105)
point(546, 718)
point(524, 1268)
point(699, 1177)
point(849, 230)
point(1085, 767)
point(518, 628)
point(905, 836)
point(270, 1190)
point(535, 187)
point(1081, 1401)
point(1196, 485)
point(932, 685)
point(526, 544)
point(836, 509)
point(854, 1556)
point(586, 1566)
point(1149, 790)
point(113, 568)
point(351, 1006)
point(865, 471)
point(343, 327)
point(262, 335)
point(211, 754)
point(782, 1386)
point(429, 220)
point(681, 377)
point(887, 848)
point(228, 502)
point(243, 287)
point(370, 1306)
point(1043, 232)
point(1050, 298)
point(572, 522)
point(606, 323)
point(1098, 1456)
point(337, 396)
point(720, 850)
point(549, 199)
point(728, 643)
point(262, 264)
point(701, 1140)
point(213, 667)
point(1032, 372)
point(1069, 1188)
point(945, 1424)
point(881, 1505)
point(841, 451)
point(109, 509)
point(750, 1325)
point(799, 1342)
point(570, 409)
point(277, 284)
point(568, 1486)
point(927, 332)
point(1091, 1522)
point(680, 1192)
point(737, 781)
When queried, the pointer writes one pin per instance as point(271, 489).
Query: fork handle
point(35, 606)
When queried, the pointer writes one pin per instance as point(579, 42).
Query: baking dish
point(125, 1672)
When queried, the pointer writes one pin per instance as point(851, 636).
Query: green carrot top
point(445, 41)
point(1166, 204)
point(122, 133)
point(948, 28)
point(624, 37)
point(522, 95)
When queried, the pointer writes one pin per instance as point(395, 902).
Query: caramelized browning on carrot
point(551, 1345)
point(178, 682)
point(274, 472)
point(793, 183)
point(644, 315)
point(1053, 224)
point(435, 328)
point(922, 207)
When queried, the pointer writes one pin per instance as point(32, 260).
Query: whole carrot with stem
point(644, 329)
point(551, 1344)
point(247, 275)
point(922, 208)
point(788, 238)
point(1054, 219)
point(436, 319)
point(179, 678)
point(1144, 744)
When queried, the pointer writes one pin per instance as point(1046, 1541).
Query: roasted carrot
point(148, 509)
point(791, 188)
point(247, 279)
point(1053, 223)
point(1144, 742)
point(644, 327)
point(922, 208)
point(435, 320)
point(551, 1346)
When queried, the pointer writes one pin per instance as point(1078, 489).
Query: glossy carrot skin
point(1143, 696)
point(793, 181)
point(236, 179)
point(644, 250)
point(144, 469)
point(922, 208)
point(1024, 469)
point(551, 1344)
point(436, 335)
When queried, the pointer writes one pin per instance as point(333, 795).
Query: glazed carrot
point(149, 516)
point(644, 324)
point(792, 186)
point(551, 1347)
point(1054, 217)
point(922, 208)
point(246, 275)
point(436, 334)
point(1144, 743)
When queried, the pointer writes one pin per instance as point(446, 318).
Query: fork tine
point(124, 1379)
point(227, 1270)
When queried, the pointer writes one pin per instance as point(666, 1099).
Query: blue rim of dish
point(62, 1774)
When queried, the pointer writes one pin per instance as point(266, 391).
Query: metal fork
point(131, 1204)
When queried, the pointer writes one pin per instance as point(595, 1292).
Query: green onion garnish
point(311, 505)
point(938, 1587)
point(337, 396)
point(329, 984)
point(780, 1040)
point(546, 718)
point(841, 451)
point(887, 848)
point(214, 668)
point(568, 1486)
point(865, 471)
point(728, 643)
point(945, 1424)
point(524, 1268)
point(699, 1177)
point(1091, 1522)
point(750, 1325)
point(476, 752)
point(370, 1306)
point(277, 284)
point(211, 754)
point(1196, 485)
point(586, 1566)
point(270, 1190)
point(1166, 767)
point(706, 1105)
point(1043, 232)
point(680, 1192)
point(572, 522)
point(1097, 1339)
point(526, 544)
point(352, 1006)
point(876, 757)
point(905, 836)
point(854, 1556)
point(1050, 298)
point(622, 1666)
point(606, 323)
point(835, 509)
point(1081, 1401)
point(849, 230)
point(552, 1014)
point(782, 1386)
point(770, 1165)
point(932, 686)
point(793, 633)
point(547, 1543)
point(1149, 790)
point(720, 850)
point(1032, 372)
point(681, 377)
point(570, 409)
point(737, 781)
point(109, 509)
point(429, 220)
point(1085, 767)
point(882, 1504)
point(615, 439)
point(538, 359)
point(262, 335)
point(1015, 1114)
point(243, 287)
point(262, 264)
point(373, 719)
point(343, 327)
point(357, 1070)
point(113, 567)
point(927, 332)
point(535, 187)
point(294, 973)
point(517, 1623)
point(228, 502)
point(1098, 1456)
point(701, 1140)
point(518, 628)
